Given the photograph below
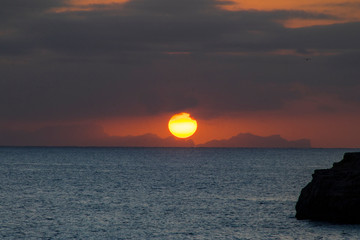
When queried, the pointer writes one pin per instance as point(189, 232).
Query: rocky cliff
point(333, 194)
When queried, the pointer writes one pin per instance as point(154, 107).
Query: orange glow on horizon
point(291, 126)
point(181, 125)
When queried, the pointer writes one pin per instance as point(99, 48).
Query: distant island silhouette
point(250, 140)
point(94, 135)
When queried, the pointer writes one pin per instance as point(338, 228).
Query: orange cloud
point(343, 11)
point(87, 5)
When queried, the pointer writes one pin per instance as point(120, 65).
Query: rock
point(333, 194)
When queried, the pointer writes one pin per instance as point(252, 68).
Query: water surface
point(160, 193)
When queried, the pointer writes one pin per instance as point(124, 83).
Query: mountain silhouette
point(248, 140)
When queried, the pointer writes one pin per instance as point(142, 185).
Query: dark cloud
point(114, 61)
point(22, 9)
point(163, 7)
point(158, 26)
point(336, 36)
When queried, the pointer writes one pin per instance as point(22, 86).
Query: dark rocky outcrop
point(333, 194)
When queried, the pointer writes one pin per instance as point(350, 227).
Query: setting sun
point(181, 125)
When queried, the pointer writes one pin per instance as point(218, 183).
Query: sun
point(181, 125)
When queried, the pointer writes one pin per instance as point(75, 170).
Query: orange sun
point(181, 125)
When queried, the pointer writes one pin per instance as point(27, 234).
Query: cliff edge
point(333, 194)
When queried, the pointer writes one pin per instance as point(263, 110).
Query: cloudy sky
point(264, 67)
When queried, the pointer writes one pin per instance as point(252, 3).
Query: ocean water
point(160, 193)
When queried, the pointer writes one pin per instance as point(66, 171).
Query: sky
point(282, 67)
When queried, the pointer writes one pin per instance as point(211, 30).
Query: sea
point(160, 193)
